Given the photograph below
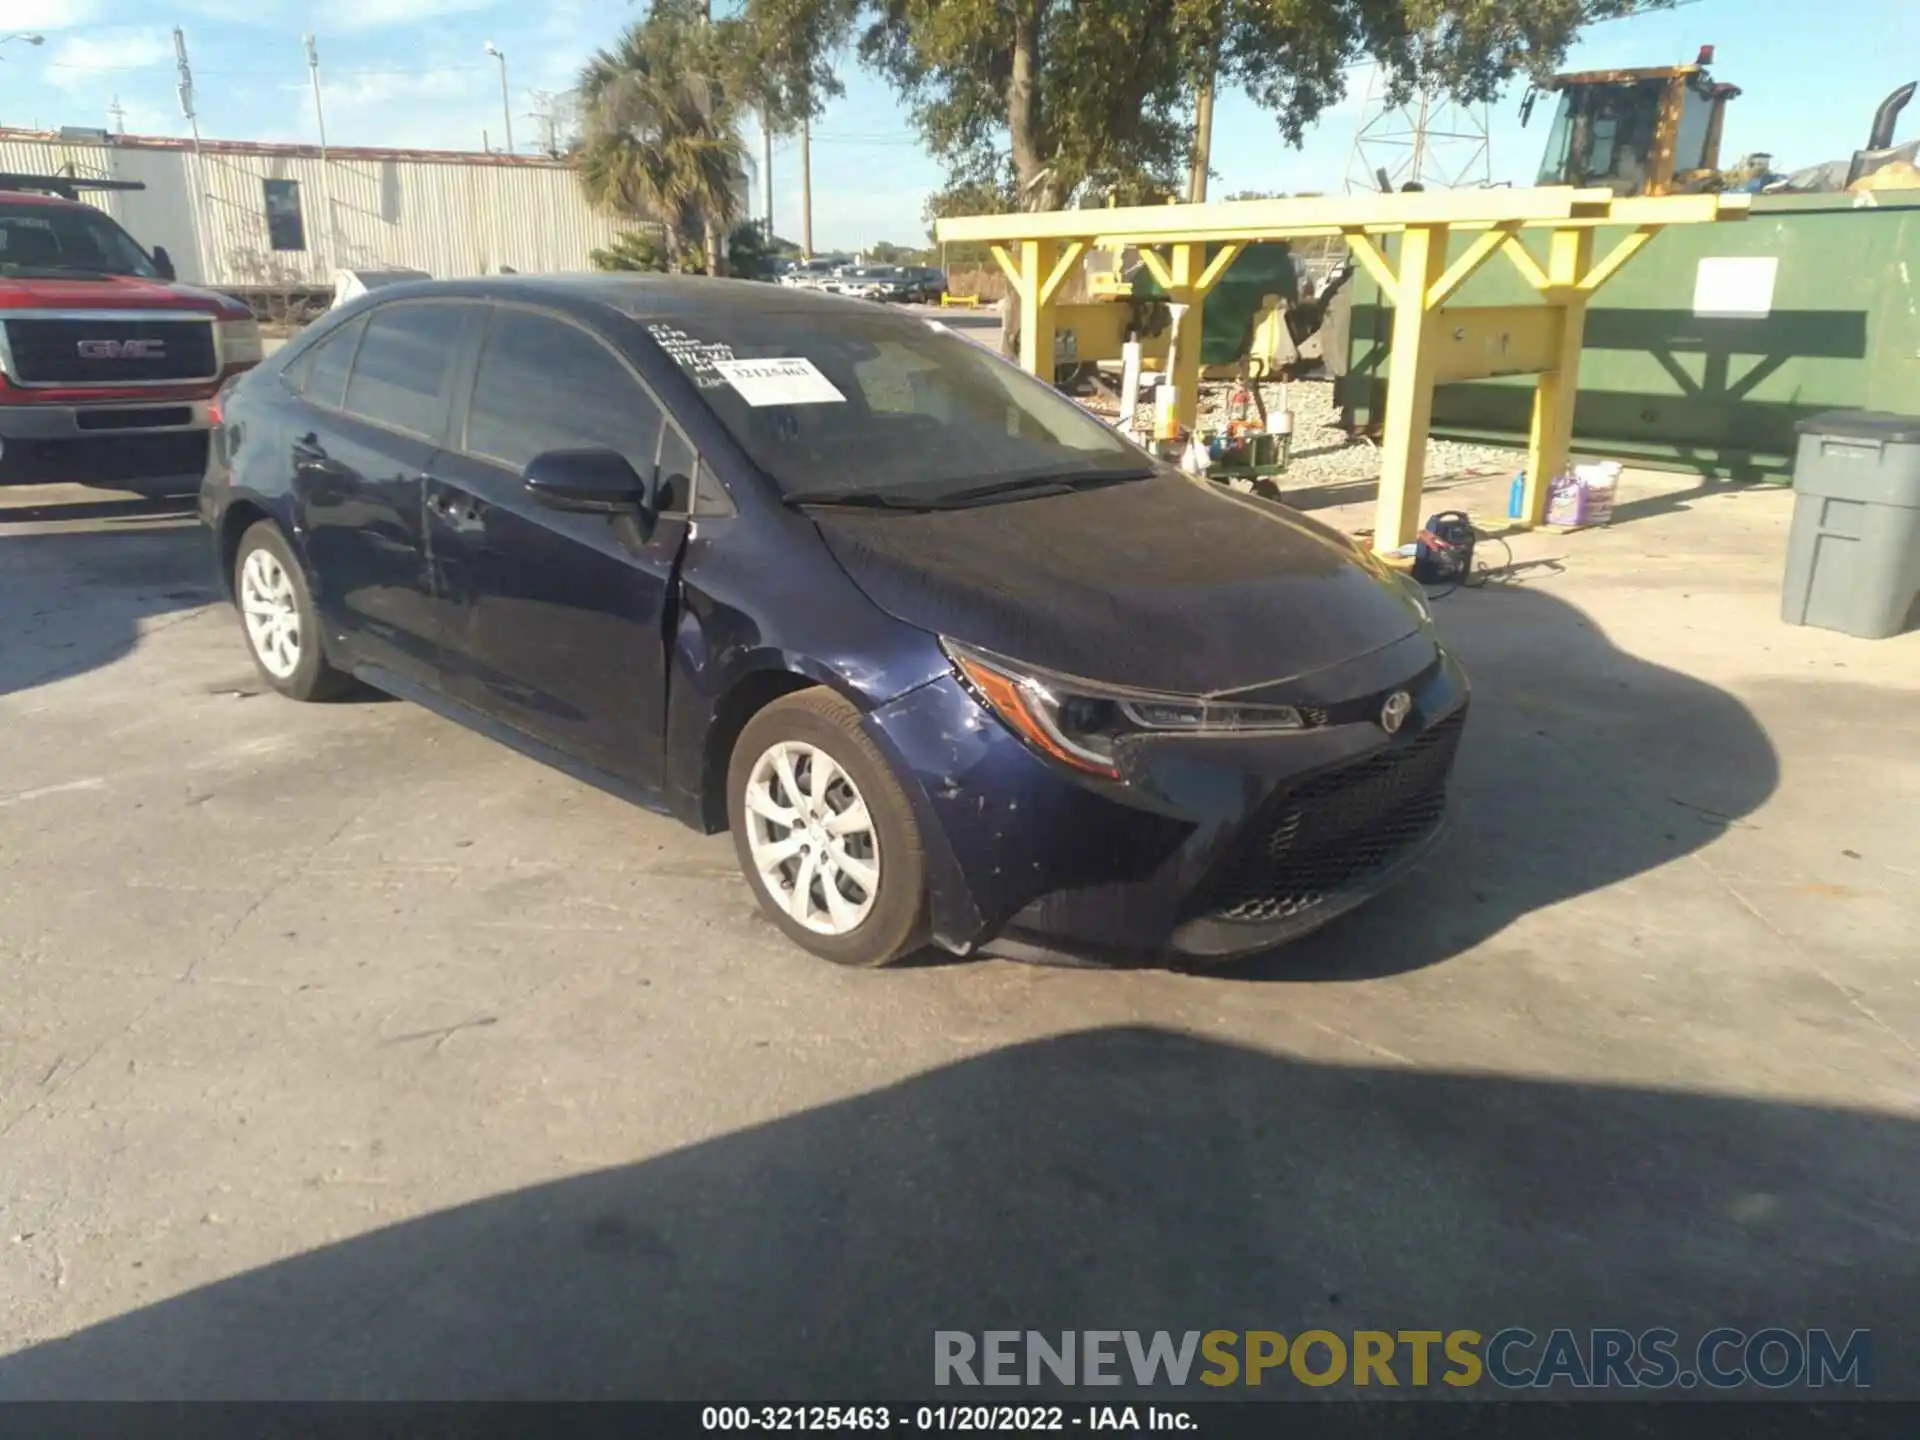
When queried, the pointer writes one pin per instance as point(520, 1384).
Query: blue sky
point(414, 73)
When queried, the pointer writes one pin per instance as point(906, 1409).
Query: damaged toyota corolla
point(954, 661)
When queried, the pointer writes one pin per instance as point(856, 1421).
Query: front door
point(559, 621)
point(377, 394)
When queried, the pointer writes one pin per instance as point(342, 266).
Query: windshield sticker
point(697, 357)
point(779, 382)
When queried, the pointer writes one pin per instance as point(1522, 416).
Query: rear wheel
point(824, 833)
point(277, 614)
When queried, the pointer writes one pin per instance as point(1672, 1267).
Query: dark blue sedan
point(952, 660)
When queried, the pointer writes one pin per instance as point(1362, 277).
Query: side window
point(399, 376)
point(678, 462)
point(710, 497)
point(321, 373)
point(544, 384)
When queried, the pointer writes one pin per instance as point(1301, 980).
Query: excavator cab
point(1637, 132)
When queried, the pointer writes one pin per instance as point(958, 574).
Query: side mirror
point(591, 482)
point(1526, 105)
point(162, 263)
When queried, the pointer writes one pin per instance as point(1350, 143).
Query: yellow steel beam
point(1462, 270)
point(1069, 257)
point(1479, 342)
point(1186, 269)
point(1009, 266)
point(1569, 256)
point(1157, 267)
point(1621, 253)
point(1372, 261)
point(1252, 219)
point(1678, 209)
point(1217, 266)
point(1036, 309)
point(1524, 262)
point(1403, 446)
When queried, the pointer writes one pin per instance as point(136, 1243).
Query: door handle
point(461, 509)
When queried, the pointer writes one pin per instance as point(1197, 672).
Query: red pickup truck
point(107, 365)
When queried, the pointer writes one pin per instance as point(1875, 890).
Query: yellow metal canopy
point(1430, 345)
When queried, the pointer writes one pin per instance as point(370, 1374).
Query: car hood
point(111, 292)
point(1163, 584)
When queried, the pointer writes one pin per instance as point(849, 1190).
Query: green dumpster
point(1709, 347)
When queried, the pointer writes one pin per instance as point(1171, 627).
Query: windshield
point(64, 240)
point(888, 406)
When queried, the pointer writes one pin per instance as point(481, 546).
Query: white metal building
point(239, 214)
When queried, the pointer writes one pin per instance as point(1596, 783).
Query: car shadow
point(73, 600)
point(1129, 1178)
point(1582, 766)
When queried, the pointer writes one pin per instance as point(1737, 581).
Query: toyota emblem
point(1394, 713)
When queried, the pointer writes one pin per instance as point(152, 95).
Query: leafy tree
point(631, 250)
point(1038, 102)
point(749, 254)
point(660, 139)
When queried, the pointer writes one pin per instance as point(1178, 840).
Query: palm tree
point(659, 134)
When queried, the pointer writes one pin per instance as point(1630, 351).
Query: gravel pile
point(1322, 453)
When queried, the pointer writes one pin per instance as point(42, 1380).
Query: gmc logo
point(122, 349)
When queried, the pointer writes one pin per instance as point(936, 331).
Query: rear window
point(883, 402)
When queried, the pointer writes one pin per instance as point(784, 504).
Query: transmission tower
point(1430, 141)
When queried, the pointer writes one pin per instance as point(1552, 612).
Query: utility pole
point(506, 106)
point(117, 113)
point(328, 248)
point(806, 188)
point(546, 110)
point(198, 189)
point(766, 170)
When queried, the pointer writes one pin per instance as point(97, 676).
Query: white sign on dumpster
point(1735, 286)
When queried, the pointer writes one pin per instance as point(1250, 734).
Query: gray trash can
point(1853, 559)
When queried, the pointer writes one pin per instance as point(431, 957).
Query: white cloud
point(82, 61)
point(34, 15)
point(384, 14)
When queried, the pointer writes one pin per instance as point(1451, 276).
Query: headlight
point(1078, 723)
point(239, 342)
point(1419, 594)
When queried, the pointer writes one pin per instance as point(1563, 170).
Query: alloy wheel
point(812, 838)
point(271, 612)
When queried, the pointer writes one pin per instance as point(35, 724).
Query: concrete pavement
point(346, 1053)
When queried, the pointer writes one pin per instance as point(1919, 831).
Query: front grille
point(50, 352)
point(1333, 833)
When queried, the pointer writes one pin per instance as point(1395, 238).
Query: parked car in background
point(874, 282)
point(951, 658)
point(930, 284)
point(813, 274)
point(107, 364)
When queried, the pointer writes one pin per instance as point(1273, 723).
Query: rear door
point(378, 393)
point(560, 621)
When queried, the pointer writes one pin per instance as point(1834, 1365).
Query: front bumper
point(1215, 847)
point(110, 419)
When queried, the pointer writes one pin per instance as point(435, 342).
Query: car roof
point(642, 297)
point(29, 197)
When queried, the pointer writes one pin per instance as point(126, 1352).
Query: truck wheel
point(277, 616)
point(824, 833)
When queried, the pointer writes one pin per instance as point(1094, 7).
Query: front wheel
point(825, 834)
point(276, 611)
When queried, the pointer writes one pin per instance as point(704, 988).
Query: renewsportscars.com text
point(1512, 1359)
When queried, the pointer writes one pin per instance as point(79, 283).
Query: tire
point(277, 617)
point(874, 923)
